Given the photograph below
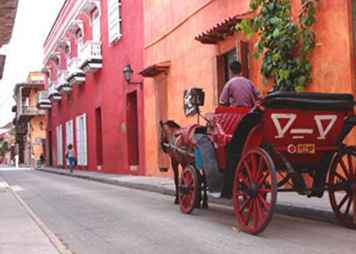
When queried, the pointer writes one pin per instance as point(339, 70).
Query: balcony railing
point(75, 75)
point(91, 59)
point(43, 101)
point(62, 84)
point(31, 110)
point(53, 93)
point(27, 112)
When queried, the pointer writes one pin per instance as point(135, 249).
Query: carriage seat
point(225, 121)
point(315, 101)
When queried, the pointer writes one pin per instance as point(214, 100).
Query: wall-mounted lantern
point(128, 75)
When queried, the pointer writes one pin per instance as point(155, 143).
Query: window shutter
point(77, 129)
point(85, 138)
point(220, 63)
point(114, 20)
point(244, 54)
point(59, 145)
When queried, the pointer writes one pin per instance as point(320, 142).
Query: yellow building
point(30, 121)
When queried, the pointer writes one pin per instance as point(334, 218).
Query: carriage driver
point(238, 91)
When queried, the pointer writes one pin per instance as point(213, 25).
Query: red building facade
point(89, 102)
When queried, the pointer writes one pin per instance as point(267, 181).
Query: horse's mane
point(172, 124)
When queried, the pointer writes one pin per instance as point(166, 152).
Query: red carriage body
point(276, 145)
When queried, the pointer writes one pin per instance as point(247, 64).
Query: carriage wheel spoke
point(254, 167)
point(259, 169)
point(240, 193)
point(344, 168)
point(340, 177)
point(248, 171)
point(257, 213)
point(343, 201)
point(348, 206)
point(249, 213)
point(351, 167)
point(246, 203)
point(264, 202)
point(263, 179)
point(245, 182)
point(263, 191)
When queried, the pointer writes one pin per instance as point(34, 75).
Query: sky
point(24, 53)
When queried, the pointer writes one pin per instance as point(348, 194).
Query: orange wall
point(170, 28)
point(36, 133)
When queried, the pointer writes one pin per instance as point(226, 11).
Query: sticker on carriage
point(305, 148)
point(323, 124)
point(301, 149)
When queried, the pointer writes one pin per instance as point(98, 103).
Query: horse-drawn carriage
point(289, 142)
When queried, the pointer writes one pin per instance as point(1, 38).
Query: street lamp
point(128, 75)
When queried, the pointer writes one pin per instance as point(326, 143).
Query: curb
point(56, 243)
point(284, 209)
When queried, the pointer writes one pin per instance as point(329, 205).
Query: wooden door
point(132, 130)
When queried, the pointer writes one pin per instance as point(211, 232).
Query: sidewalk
point(290, 204)
point(20, 230)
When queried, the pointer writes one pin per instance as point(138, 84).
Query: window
point(81, 130)
point(241, 53)
point(69, 133)
point(59, 139)
point(114, 20)
point(224, 73)
point(95, 25)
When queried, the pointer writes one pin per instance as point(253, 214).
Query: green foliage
point(4, 148)
point(284, 44)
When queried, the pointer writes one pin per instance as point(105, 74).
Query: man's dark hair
point(70, 146)
point(235, 67)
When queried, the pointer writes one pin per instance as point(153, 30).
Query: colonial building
point(7, 144)
point(191, 43)
point(30, 122)
point(90, 103)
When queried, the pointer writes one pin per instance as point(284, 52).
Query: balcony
point(43, 101)
point(27, 112)
point(90, 57)
point(75, 75)
point(53, 94)
point(62, 84)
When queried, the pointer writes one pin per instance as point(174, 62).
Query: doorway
point(132, 131)
point(99, 138)
point(50, 160)
point(161, 84)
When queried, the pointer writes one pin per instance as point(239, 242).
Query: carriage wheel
point(342, 187)
point(255, 191)
point(188, 189)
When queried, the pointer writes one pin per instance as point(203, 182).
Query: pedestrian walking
point(70, 156)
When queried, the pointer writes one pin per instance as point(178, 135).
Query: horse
point(167, 136)
point(171, 142)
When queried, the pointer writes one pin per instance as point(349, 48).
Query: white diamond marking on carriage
point(282, 131)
